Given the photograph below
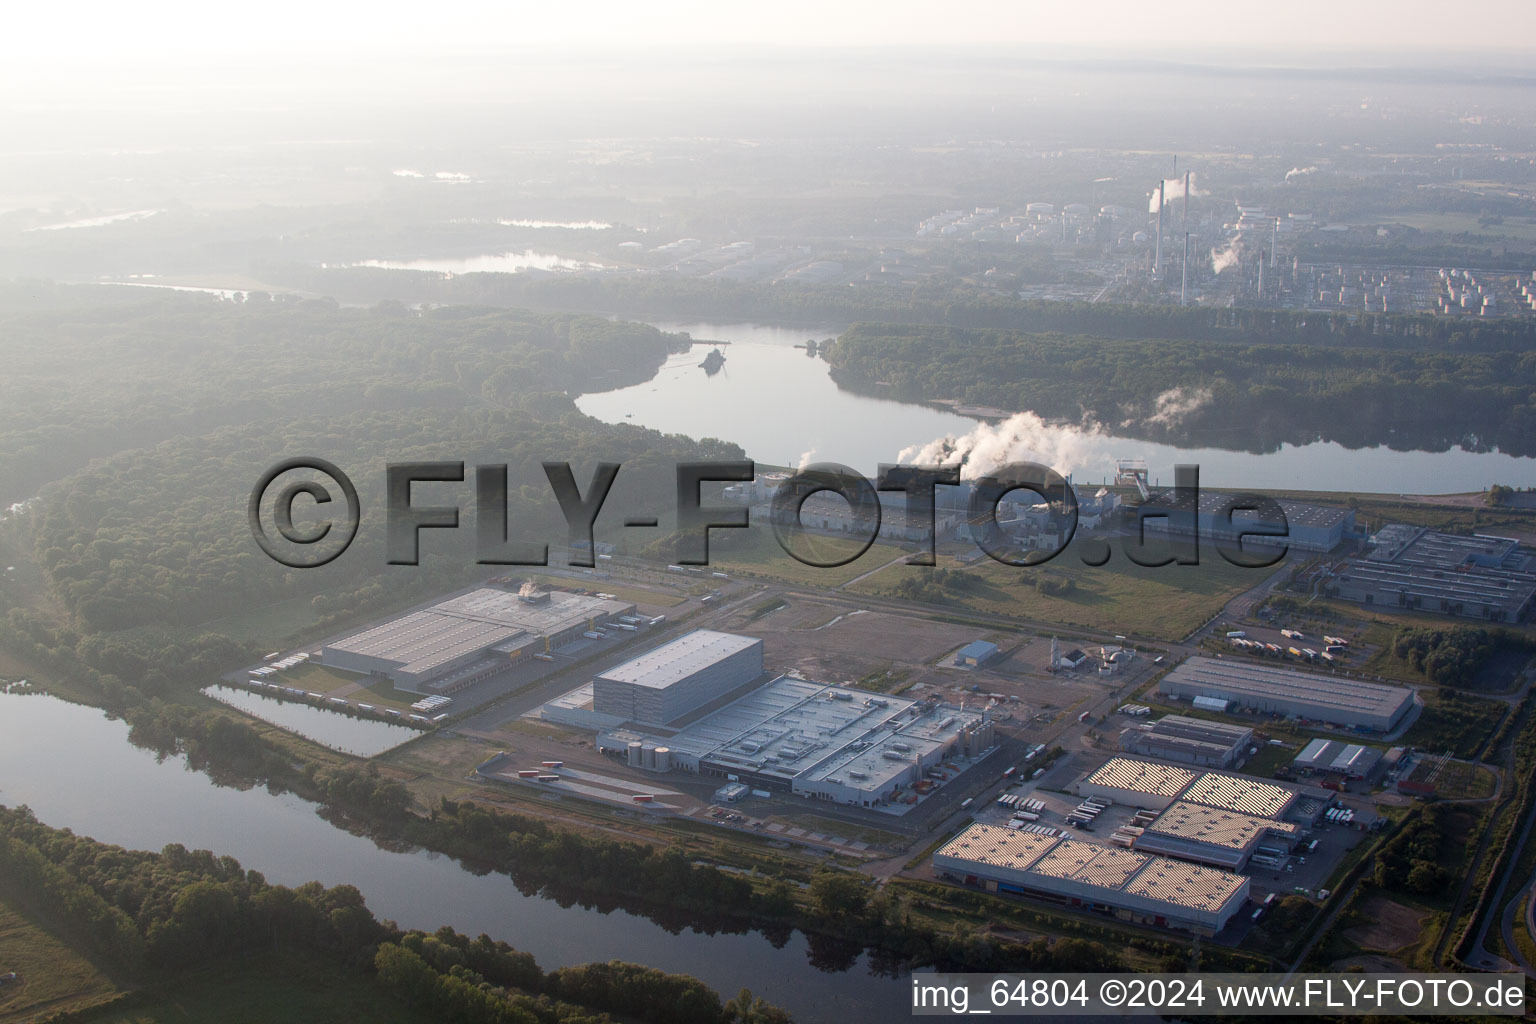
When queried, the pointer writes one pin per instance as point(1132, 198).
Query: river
point(783, 408)
point(75, 768)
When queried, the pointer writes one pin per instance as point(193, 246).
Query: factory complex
point(700, 704)
point(1128, 884)
point(1306, 527)
point(1338, 700)
point(1209, 817)
point(1417, 569)
point(456, 642)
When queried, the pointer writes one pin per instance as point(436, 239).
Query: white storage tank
point(663, 759)
point(636, 754)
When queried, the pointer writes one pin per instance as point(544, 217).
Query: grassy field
point(275, 989)
point(635, 595)
point(54, 978)
point(1458, 723)
point(757, 551)
point(1164, 603)
point(1521, 228)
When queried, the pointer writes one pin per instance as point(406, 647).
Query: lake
point(363, 737)
point(74, 767)
point(495, 263)
point(783, 408)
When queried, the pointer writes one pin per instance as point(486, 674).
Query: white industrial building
point(1338, 700)
point(457, 641)
point(663, 685)
point(1126, 884)
point(1335, 757)
point(806, 738)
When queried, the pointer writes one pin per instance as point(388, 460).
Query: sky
point(1305, 29)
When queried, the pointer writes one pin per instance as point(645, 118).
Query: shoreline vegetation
point(114, 580)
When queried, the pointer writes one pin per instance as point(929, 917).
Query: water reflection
point(76, 769)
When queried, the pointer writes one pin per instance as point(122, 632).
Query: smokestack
point(1261, 273)
point(1186, 202)
point(1157, 259)
point(1274, 243)
point(1184, 276)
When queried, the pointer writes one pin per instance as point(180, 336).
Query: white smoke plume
point(1023, 437)
point(1176, 403)
point(1226, 258)
point(806, 458)
point(1297, 172)
point(1173, 189)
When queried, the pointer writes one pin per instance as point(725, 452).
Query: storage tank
point(648, 757)
point(663, 759)
point(636, 754)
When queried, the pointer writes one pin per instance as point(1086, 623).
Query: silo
point(636, 754)
point(663, 759)
point(649, 757)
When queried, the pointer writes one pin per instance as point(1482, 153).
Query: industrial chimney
point(1157, 257)
point(1184, 273)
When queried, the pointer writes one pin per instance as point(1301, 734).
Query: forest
point(154, 420)
point(1255, 396)
point(155, 918)
point(944, 300)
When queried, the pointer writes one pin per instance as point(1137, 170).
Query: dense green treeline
point(161, 536)
point(183, 404)
point(86, 379)
point(1256, 396)
point(1454, 655)
point(155, 916)
point(947, 302)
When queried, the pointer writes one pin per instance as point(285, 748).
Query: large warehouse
point(453, 643)
point(663, 685)
point(822, 742)
point(1131, 885)
point(1187, 740)
point(1210, 817)
point(1338, 700)
point(1307, 527)
point(1410, 567)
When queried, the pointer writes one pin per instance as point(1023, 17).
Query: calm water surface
point(363, 737)
point(783, 408)
point(76, 769)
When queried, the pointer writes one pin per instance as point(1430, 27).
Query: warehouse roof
point(1184, 884)
point(663, 666)
point(1107, 868)
point(1337, 756)
point(1142, 776)
point(424, 640)
point(1236, 793)
point(1215, 826)
point(1237, 680)
point(1212, 502)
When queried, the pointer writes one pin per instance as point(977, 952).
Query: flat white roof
point(663, 666)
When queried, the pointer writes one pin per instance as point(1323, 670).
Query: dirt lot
point(832, 642)
point(1391, 926)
